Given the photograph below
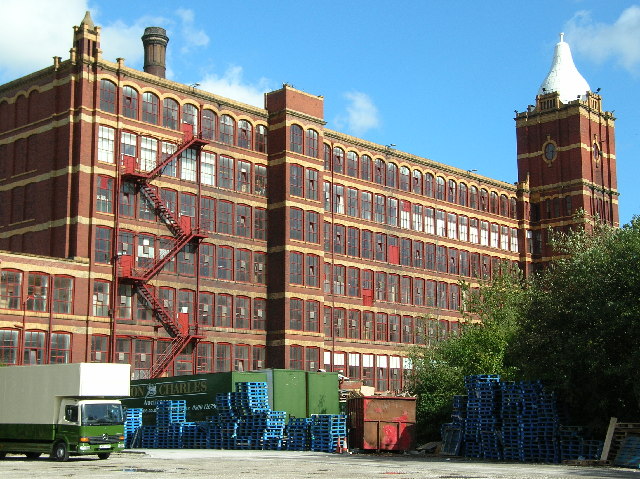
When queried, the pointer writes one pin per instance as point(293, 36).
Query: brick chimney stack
point(155, 41)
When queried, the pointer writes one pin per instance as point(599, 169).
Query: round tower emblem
point(549, 151)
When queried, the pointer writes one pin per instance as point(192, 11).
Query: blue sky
point(440, 79)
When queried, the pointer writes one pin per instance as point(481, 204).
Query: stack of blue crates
point(481, 431)
point(516, 421)
point(298, 434)
point(243, 420)
point(133, 422)
point(327, 430)
point(571, 442)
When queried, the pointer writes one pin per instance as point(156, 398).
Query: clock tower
point(566, 157)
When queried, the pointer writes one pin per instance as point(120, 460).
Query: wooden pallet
point(616, 433)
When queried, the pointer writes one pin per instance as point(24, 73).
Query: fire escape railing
point(181, 227)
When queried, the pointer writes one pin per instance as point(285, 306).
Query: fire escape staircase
point(183, 233)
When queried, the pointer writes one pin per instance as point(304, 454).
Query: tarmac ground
point(172, 463)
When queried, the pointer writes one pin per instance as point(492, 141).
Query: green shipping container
point(288, 391)
point(322, 393)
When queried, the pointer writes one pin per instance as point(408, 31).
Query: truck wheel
point(32, 455)
point(104, 455)
point(60, 452)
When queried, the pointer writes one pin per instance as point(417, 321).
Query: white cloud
point(232, 85)
point(601, 41)
point(34, 31)
point(361, 114)
point(191, 36)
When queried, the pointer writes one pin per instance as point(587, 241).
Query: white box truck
point(63, 409)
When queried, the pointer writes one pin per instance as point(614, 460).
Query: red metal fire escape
point(181, 332)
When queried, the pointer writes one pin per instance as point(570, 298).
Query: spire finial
point(561, 37)
point(87, 20)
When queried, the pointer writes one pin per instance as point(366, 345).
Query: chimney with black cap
point(155, 41)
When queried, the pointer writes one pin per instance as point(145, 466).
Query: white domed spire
point(563, 76)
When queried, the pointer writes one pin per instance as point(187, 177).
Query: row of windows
point(33, 347)
point(393, 212)
point(170, 115)
point(219, 262)
point(221, 309)
point(385, 373)
point(43, 292)
point(222, 171)
point(388, 174)
point(365, 244)
point(216, 216)
point(206, 357)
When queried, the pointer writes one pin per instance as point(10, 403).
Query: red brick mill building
point(148, 222)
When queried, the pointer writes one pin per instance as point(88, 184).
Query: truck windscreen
point(101, 414)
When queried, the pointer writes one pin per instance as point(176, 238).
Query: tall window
point(106, 150)
point(104, 194)
point(428, 185)
point(149, 154)
point(243, 265)
point(188, 165)
point(365, 205)
point(107, 96)
point(224, 221)
point(190, 116)
point(295, 268)
point(296, 180)
point(379, 171)
point(338, 160)
point(259, 314)
point(99, 348)
point(223, 310)
point(462, 194)
point(260, 178)
point(311, 146)
point(225, 172)
point(150, 108)
point(101, 298)
point(209, 120)
point(245, 134)
point(440, 191)
point(295, 138)
point(207, 168)
point(243, 181)
point(352, 164)
point(204, 357)
point(102, 250)
point(366, 167)
point(311, 177)
point(313, 271)
point(405, 178)
point(243, 221)
point(130, 102)
point(227, 129)
point(62, 294)
point(8, 346)
point(60, 352)
point(392, 175)
point(295, 314)
point(260, 224)
point(10, 289)
point(223, 357)
point(295, 224)
point(170, 113)
point(261, 138)
point(34, 347)
point(225, 263)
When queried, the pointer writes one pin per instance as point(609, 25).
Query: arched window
point(261, 138)
point(170, 113)
point(227, 129)
point(428, 185)
point(366, 167)
point(190, 116)
point(352, 164)
point(484, 200)
point(462, 194)
point(416, 184)
point(295, 138)
point(245, 133)
point(379, 171)
point(130, 102)
point(209, 120)
point(327, 157)
point(494, 202)
point(311, 147)
point(440, 192)
point(504, 205)
point(404, 178)
point(473, 197)
point(513, 210)
point(338, 160)
point(392, 175)
point(107, 96)
point(150, 108)
point(453, 193)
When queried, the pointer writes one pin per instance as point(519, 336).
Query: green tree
point(490, 321)
point(581, 331)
